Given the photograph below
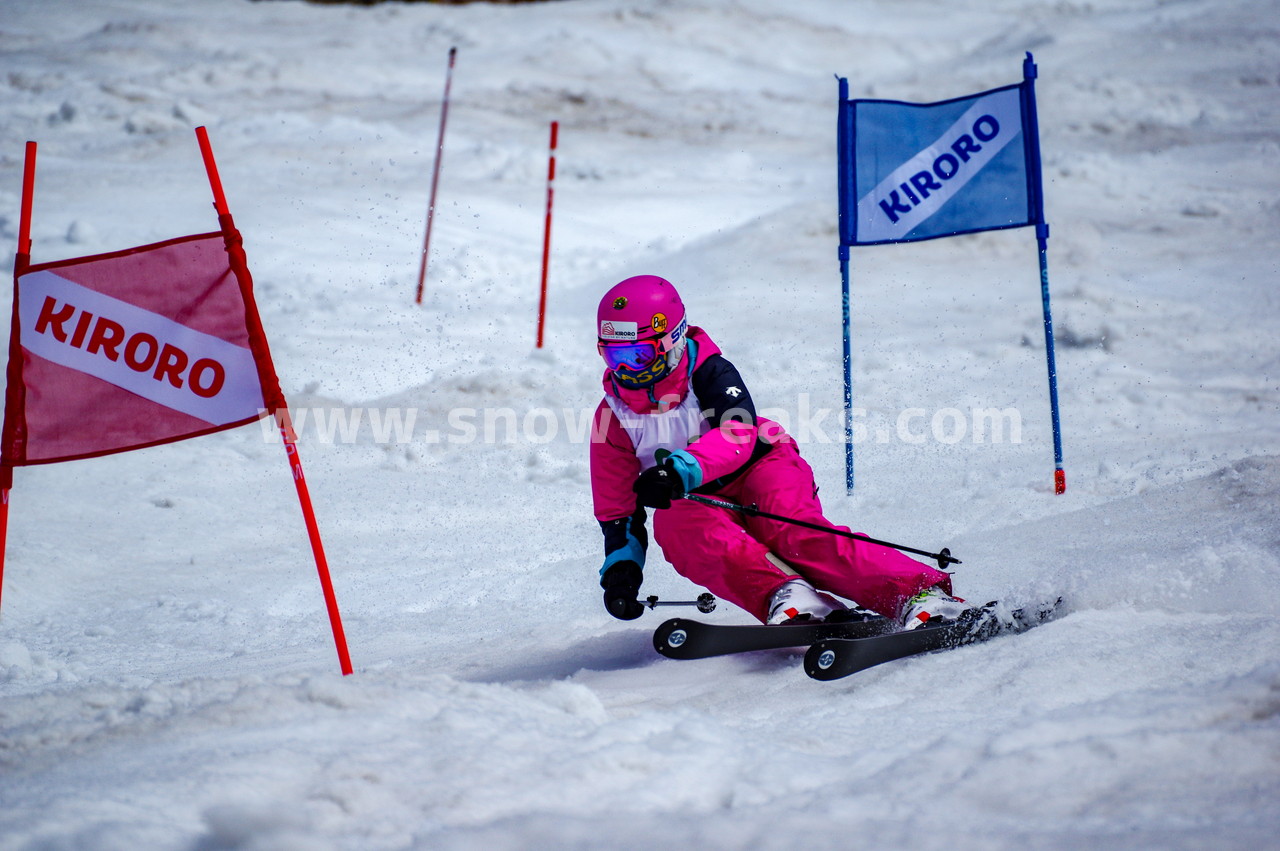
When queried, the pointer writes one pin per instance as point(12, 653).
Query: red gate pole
point(435, 176)
point(7, 474)
point(272, 397)
point(546, 232)
point(13, 385)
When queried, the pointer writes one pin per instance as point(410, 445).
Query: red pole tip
point(1059, 482)
point(28, 192)
point(215, 182)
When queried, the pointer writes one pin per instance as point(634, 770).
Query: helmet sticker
point(680, 330)
point(620, 302)
point(617, 330)
point(659, 323)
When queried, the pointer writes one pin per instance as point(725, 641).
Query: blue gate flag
point(910, 171)
point(915, 171)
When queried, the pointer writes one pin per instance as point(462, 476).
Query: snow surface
point(167, 677)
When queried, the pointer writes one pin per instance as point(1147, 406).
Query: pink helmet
point(640, 326)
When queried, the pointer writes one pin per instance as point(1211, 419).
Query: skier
point(677, 418)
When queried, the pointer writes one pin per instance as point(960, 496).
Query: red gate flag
point(129, 349)
point(137, 348)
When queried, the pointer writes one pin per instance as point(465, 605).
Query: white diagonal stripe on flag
point(873, 223)
point(137, 350)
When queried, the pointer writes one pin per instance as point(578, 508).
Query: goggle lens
point(633, 356)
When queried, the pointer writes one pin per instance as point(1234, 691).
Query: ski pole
point(943, 558)
point(705, 602)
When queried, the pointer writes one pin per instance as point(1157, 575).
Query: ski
point(681, 638)
point(833, 658)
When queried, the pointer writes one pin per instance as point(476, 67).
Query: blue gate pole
point(1032, 133)
point(848, 370)
point(844, 195)
point(1059, 475)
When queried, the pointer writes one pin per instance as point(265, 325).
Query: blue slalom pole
point(843, 192)
point(1035, 184)
point(1059, 475)
point(848, 370)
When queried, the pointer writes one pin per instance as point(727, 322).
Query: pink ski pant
point(725, 551)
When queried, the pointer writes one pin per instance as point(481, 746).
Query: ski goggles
point(629, 355)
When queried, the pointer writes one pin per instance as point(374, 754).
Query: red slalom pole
point(272, 397)
point(435, 176)
point(28, 192)
point(4, 522)
point(546, 232)
point(14, 382)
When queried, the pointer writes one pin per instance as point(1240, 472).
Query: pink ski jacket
point(630, 425)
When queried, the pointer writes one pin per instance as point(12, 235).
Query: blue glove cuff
point(687, 468)
point(632, 551)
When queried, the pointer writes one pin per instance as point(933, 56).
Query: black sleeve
point(722, 394)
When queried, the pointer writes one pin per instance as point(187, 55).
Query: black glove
point(621, 584)
point(658, 485)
